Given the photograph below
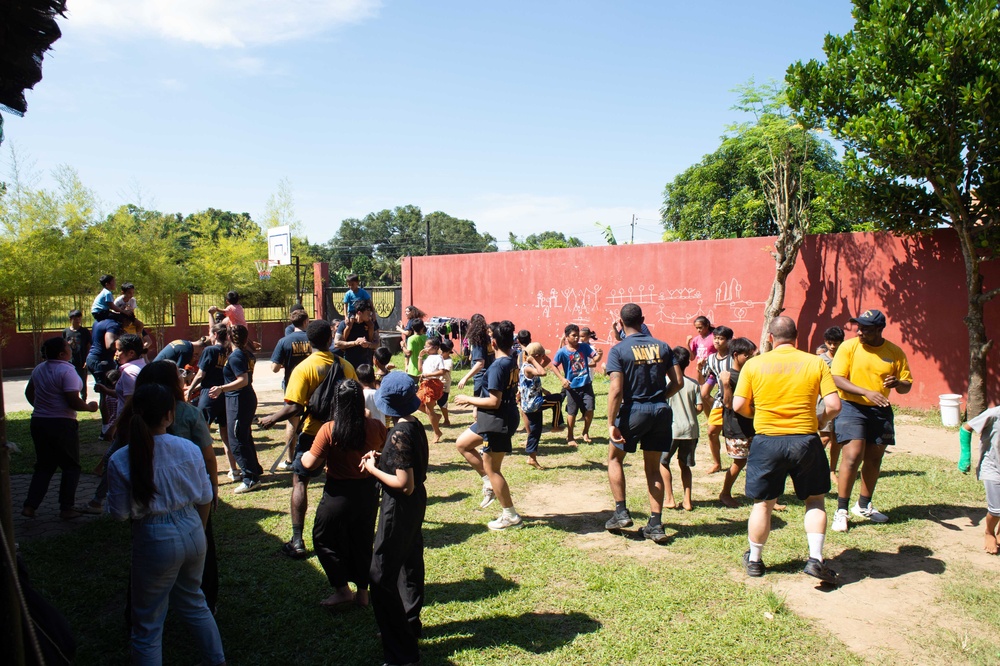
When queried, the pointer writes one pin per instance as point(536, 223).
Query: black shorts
point(776, 457)
point(443, 400)
point(498, 443)
point(872, 424)
point(647, 423)
point(578, 399)
point(99, 369)
point(684, 448)
point(303, 444)
point(214, 411)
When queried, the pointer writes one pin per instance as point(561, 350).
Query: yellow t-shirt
point(306, 378)
point(865, 366)
point(784, 385)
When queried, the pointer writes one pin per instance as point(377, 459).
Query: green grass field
point(558, 591)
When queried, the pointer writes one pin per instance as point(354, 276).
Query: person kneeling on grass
point(987, 426)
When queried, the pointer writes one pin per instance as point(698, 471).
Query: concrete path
point(47, 522)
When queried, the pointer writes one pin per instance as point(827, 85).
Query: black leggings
point(57, 446)
point(344, 530)
point(240, 410)
point(397, 575)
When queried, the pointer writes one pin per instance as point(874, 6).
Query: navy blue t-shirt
point(211, 363)
point(239, 362)
point(179, 351)
point(643, 328)
point(290, 351)
point(501, 376)
point(485, 355)
point(643, 361)
point(356, 355)
point(97, 348)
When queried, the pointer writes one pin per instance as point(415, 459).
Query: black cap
point(869, 318)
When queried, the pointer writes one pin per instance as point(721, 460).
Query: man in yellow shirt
point(304, 380)
point(866, 369)
point(779, 390)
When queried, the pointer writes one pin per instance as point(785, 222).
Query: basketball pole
point(298, 280)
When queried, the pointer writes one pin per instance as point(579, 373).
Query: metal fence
point(386, 300)
point(198, 305)
point(56, 308)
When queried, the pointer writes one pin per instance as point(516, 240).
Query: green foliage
point(912, 91)
point(726, 195)
point(546, 240)
point(388, 235)
point(609, 234)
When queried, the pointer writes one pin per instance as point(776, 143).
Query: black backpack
point(321, 402)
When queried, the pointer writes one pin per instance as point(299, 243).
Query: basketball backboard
point(279, 245)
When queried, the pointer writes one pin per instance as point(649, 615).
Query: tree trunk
point(786, 252)
point(979, 344)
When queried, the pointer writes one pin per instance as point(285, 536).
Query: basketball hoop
point(263, 268)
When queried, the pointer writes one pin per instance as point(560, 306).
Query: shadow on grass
point(723, 528)
point(855, 565)
point(454, 497)
point(939, 513)
point(901, 472)
point(536, 633)
point(442, 535)
point(490, 585)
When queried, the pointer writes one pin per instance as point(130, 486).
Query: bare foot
point(990, 544)
point(558, 428)
point(780, 507)
point(69, 514)
point(714, 469)
point(669, 503)
point(446, 424)
point(728, 500)
point(28, 512)
point(337, 599)
point(571, 443)
point(687, 505)
point(586, 437)
point(534, 462)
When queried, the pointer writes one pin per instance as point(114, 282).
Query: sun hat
point(397, 395)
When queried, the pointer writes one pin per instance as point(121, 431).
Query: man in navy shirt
point(644, 374)
point(288, 353)
point(181, 352)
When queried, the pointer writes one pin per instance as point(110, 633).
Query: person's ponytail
point(151, 404)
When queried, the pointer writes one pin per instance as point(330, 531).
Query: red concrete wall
point(917, 282)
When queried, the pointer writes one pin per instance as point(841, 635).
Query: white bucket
point(951, 409)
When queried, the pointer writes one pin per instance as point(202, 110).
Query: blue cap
point(869, 318)
point(397, 395)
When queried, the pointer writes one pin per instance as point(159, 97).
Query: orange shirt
point(343, 462)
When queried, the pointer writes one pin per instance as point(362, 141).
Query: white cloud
point(218, 23)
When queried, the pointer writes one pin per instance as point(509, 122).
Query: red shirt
point(343, 462)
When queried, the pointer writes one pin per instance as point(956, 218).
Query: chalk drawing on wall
point(573, 302)
point(644, 295)
point(729, 295)
point(667, 314)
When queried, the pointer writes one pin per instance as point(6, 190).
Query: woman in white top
point(167, 494)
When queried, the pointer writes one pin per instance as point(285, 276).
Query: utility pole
point(632, 242)
point(427, 245)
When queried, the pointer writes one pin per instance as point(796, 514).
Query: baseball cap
point(869, 318)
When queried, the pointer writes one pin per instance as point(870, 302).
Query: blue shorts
point(774, 458)
point(499, 443)
point(649, 424)
point(214, 411)
point(869, 423)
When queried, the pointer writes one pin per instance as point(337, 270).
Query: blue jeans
point(168, 558)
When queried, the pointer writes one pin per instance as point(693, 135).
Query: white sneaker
point(285, 466)
point(246, 486)
point(503, 522)
point(840, 521)
point(488, 496)
point(871, 513)
point(235, 475)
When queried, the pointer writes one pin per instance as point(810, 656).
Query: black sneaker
point(818, 569)
point(655, 533)
point(753, 569)
point(619, 520)
point(295, 550)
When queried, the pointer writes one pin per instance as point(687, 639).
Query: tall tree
point(912, 91)
point(388, 235)
point(546, 240)
point(770, 176)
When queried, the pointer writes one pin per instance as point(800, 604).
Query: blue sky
point(521, 116)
